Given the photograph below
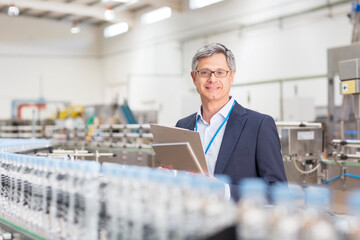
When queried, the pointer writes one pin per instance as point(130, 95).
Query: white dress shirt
point(208, 130)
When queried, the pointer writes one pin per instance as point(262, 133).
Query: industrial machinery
point(309, 157)
point(302, 148)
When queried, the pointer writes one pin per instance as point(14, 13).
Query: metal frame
point(334, 56)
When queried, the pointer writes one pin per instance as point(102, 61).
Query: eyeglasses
point(217, 73)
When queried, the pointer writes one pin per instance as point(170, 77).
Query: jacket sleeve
point(268, 152)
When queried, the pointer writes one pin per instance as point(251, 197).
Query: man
point(238, 142)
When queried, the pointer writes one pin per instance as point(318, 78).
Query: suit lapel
point(191, 124)
point(232, 133)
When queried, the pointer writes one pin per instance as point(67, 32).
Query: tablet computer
point(183, 148)
point(178, 156)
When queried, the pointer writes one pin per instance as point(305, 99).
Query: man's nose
point(212, 78)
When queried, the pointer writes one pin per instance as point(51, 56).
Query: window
point(156, 15)
point(194, 4)
point(116, 29)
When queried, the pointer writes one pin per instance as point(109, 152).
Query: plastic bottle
point(60, 199)
point(220, 211)
point(286, 221)
point(315, 218)
point(25, 191)
point(110, 189)
point(253, 219)
point(175, 213)
point(18, 203)
point(353, 201)
point(5, 182)
point(88, 189)
point(49, 171)
point(36, 201)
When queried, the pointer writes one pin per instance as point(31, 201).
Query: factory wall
point(43, 59)
point(149, 66)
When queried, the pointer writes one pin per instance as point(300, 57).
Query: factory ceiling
point(85, 11)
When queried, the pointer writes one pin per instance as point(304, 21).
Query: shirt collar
point(223, 111)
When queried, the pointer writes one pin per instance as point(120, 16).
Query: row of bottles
point(63, 199)
point(295, 213)
point(20, 145)
point(155, 204)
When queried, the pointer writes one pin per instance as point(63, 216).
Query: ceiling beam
point(25, 10)
point(125, 6)
point(72, 9)
point(174, 4)
point(84, 19)
point(43, 14)
point(93, 3)
point(63, 17)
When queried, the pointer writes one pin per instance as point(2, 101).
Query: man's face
point(213, 88)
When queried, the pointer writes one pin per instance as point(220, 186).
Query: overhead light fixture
point(156, 15)
point(13, 10)
point(75, 28)
point(109, 14)
point(116, 29)
point(194, 4)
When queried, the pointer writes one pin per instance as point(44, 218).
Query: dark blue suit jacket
point(250, 147)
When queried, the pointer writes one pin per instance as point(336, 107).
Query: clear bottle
point(353, 201)
point(36, 201)
point(110, 188)
point(253, 219)
point(18, 205)
point(123, 207)
point(175, 213)
point(316, 219)
point(26, 188)
point(74, 183)
point(159, 197)
point(136, 203)
point(88, 190)
point(286, 221)
point(60, 199)
point(47, 188)
point(3, 157)
point(192, 205)
point(12, 176)
point(5, 179)
point(220, 211)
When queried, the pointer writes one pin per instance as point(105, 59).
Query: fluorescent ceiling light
point(116, 29)
point(13, 10)
point(194, 4)
point(109, 14)
point(75, 28)
point(156, 15)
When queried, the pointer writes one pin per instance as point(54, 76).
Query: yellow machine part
point(72, 111)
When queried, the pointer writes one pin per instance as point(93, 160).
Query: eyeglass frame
point(212, 72)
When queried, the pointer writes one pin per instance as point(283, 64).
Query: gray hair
point(211, 49)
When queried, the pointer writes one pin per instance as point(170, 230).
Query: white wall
point(276, 50)
point(149, 66)
point(43, 59)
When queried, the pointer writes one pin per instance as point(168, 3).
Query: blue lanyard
point(217, 131)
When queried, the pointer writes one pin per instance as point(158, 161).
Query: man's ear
point(232, 77)
point(193, 76)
